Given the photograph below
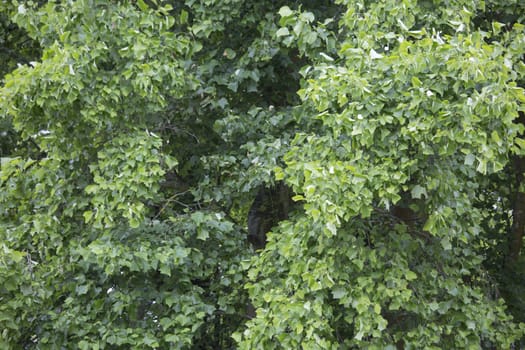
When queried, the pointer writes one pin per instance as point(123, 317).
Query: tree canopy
point(137, 136)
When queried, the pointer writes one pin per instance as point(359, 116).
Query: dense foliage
point(136, 135)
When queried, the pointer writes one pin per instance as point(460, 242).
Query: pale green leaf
point(285, 11)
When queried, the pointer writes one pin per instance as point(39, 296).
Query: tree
point(141, 132)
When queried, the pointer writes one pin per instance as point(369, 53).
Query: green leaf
point(418, 191)
point(331, 228)
point(433, 306)
point(298, 198)
point(229, 53)
point(88, 214)
point(410, 275)
point(203, 234)
point(495, 137)
point(82, 289)
point(339, 293)
point(445, 243)
point(469, 159)
point(165, 269)
point(282, 32)
point(285, 11)
point(142, 5)
point(134, 222)
point(326, 57)
point(172, 338)
point(84, 345)
point(171, 162)
point(416, 82)
point(184, 16)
